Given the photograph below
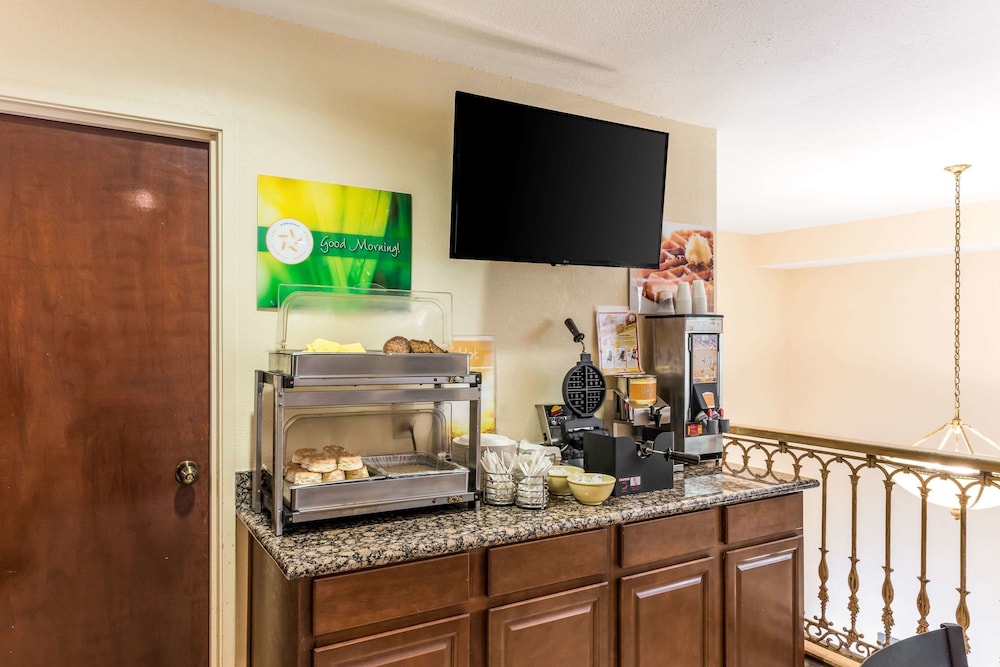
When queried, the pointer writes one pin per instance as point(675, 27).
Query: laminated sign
point(327, 235)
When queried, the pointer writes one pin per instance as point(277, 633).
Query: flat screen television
point(536, 185)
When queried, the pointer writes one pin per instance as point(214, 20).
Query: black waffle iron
point(583, 392)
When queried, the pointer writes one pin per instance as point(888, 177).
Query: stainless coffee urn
point(684, 352)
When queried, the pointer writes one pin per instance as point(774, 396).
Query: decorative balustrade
point(896, 529)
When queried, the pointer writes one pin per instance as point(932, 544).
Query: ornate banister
point(865, 474)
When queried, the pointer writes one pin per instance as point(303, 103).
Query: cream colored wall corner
point(294, 102)
point(752, 301)
point(869, 327)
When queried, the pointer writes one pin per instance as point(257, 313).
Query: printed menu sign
point(617, 341)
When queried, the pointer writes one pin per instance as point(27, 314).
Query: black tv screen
point(535, 185)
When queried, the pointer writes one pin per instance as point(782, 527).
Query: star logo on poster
point(289, 241)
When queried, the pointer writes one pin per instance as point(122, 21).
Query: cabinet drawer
point(359, 598)
point(667, 538)
point(568, 629)
point(553, 560)
point(441, 644)
point(762, 518)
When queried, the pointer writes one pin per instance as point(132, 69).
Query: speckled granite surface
point(342, 545)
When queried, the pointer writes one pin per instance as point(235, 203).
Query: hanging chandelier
point(946, 484)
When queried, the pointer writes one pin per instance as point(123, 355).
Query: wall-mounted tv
point(536, 185)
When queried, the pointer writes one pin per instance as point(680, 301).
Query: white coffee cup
point(682, 300)
point(699, 299)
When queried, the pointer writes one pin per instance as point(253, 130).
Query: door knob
point(187, 472)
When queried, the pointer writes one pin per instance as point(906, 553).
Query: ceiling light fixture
point(945, 484)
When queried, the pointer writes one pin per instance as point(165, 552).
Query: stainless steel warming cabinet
point(394, 411)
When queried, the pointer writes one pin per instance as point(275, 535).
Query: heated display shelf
point(302, 384)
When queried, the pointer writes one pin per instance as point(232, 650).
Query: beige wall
point(293, 102)
point(863, 348)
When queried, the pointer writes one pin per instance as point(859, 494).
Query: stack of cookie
point(330, 464)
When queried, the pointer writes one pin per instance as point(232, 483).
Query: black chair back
point(944, 647)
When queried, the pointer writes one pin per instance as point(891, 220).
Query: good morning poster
point(312, 233)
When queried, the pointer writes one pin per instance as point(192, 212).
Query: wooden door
point(438, 644)
point(764, 606)
point(568, 628)
point(670, 617)
point(104, 378)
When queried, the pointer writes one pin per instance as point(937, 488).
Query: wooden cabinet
point(668, 593)
point(439, 644)
point(561, 629)
point(763, 583)
point(764, 604)
point(721, 586)
point(669, 617)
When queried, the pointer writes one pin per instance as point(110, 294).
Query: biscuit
point(333, 476)
point(350, 462)
point(360, 473)
point(304, 453)
point(320, 463)
point(290, 470)
point(303, 477)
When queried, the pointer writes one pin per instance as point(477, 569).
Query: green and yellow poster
point(322, 234)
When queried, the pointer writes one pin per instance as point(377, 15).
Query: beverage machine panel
point(684, 353)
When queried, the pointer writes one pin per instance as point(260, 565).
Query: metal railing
point(892, 529)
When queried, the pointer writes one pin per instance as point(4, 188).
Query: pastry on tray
point(399, 344)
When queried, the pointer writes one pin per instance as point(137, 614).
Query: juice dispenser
point(684, 352)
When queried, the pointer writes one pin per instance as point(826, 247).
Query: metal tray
point(393, 478)
point(372, 364)
point(415, 464)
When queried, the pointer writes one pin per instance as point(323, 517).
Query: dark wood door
point(104, 374)
point(670, 617)
point(568, 628)
point(764, 606)
point(438, 644)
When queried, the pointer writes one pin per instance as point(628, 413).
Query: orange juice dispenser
point(684, 352)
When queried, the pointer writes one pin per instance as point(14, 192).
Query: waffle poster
point(312, 233)
point(686, 254)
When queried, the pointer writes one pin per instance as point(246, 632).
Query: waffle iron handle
point(663, 445)
point(684, 457)
point(571, 325)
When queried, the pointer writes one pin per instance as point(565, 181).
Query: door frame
point(218, 462)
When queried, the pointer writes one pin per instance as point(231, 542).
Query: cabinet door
point(568, 628)
point(438, 644)
point(763, 591)
point(670, 617)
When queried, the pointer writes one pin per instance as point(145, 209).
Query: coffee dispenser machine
point(684, 352)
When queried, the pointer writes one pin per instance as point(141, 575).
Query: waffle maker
point(583, 392)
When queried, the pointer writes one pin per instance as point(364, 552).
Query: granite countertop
point(343, 545)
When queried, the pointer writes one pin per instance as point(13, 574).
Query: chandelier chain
point(958, 292)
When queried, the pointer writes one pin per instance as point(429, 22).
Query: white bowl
point(496, 442)
point(485, 440)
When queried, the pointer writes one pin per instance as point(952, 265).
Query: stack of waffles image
point(685, 255)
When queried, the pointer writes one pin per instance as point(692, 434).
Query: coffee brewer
point(684, 353)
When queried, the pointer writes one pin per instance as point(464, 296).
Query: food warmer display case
point(375, 425)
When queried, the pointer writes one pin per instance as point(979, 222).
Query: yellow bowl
point(557, 479)
point(591, 488)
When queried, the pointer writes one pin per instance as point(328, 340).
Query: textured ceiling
point(827, 111)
